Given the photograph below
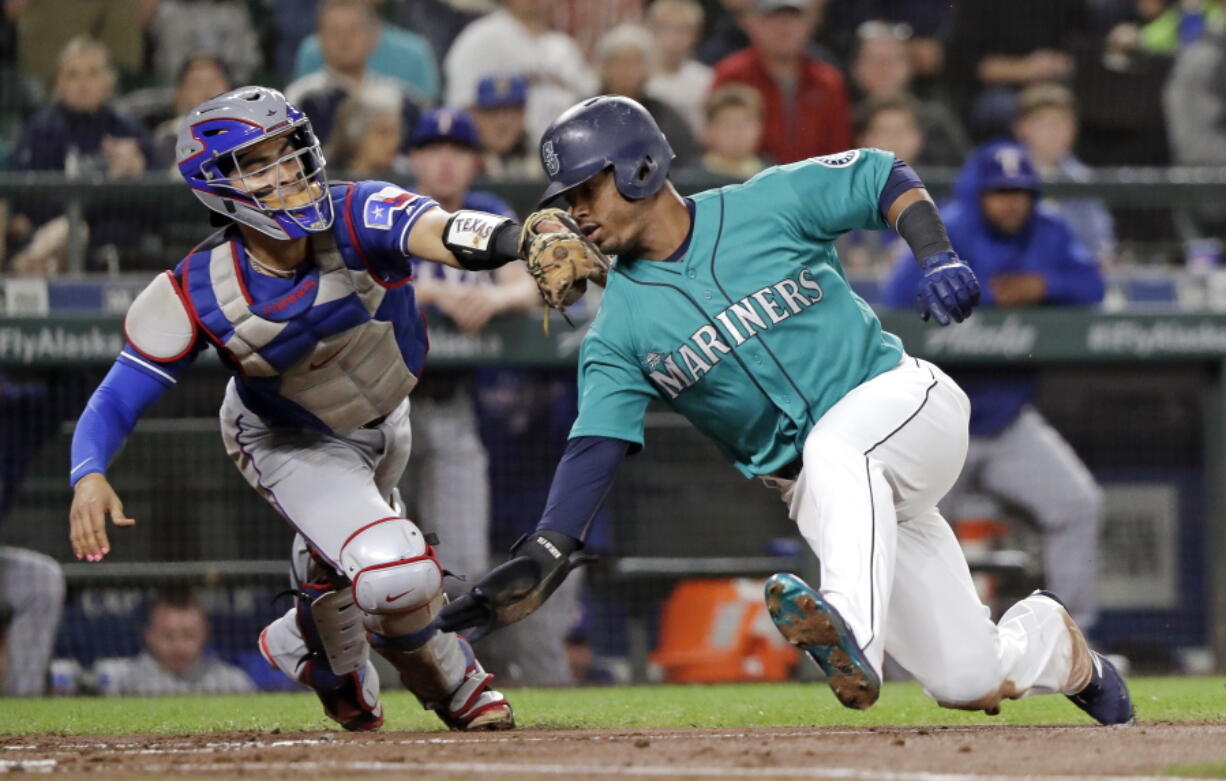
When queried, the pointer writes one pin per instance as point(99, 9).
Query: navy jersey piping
point(762, 342)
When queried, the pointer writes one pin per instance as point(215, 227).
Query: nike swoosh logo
point(391, 598)
point(325, 361)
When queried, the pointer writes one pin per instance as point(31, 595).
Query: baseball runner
point(305, 295)
point(731, 307)
point(1029, 256)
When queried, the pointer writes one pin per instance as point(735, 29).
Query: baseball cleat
point(474, 706)
point(807, 621)
point(355, 704)
point(486, 711)
point(1106, 696)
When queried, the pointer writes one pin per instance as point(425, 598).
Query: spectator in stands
point(517, 39)
point(1195, 103)
point(625, 58)
point(44, 28)
point(1180, 24)
point(926, 19)
point(32, 596)
point(81, 134)
point(888, 122)
point(398, 53)
point(725, 33)
point(366, 140)
point(733, 132)
point(891, 122)
point(440, 22)
point(174, 660)
point(1000, 48)
point(184, 28)
point(200, 78)
point(1046, 125)
point(348, 34)
point(805, 100)
point(881, 68)
point(1024, 255)
point(679, 80)
point(586, 21)
point(499, 113)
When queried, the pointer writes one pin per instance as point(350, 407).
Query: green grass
point(654, 707)
point(1198, 771)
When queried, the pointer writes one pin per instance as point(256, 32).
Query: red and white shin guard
point(351, 700)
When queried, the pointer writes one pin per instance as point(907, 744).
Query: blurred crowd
point(99, 86)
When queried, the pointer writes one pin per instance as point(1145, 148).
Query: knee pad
point(397, 580)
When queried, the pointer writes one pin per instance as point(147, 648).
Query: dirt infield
point(882, 754)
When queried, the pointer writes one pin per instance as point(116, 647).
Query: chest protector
point(333, 358)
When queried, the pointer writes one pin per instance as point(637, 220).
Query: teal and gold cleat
point(805, 620)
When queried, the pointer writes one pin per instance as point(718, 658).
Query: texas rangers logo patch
point(381, 207)
point(839, 159)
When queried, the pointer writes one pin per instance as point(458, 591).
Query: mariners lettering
point(741, 321)
point(672, 381)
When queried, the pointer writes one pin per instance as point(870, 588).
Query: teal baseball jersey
point(754, 332)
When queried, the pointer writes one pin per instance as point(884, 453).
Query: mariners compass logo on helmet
point(549, 158)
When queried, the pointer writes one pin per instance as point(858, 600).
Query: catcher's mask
point(286, 197)
point(609, 131)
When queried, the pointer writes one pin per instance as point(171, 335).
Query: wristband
point(481, 241)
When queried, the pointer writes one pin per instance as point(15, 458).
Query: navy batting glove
point(949, 290)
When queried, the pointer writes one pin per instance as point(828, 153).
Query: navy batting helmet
point(609, 131)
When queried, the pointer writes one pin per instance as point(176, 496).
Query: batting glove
point(514, 590)
point(949, 290)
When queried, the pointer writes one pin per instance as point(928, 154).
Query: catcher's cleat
point(355, 703)
point(810, 623)
point(1106, 696)
point(475, 707)
point(351, 700)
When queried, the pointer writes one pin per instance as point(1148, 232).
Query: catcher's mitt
point(562, 261)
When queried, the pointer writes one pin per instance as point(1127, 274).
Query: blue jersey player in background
point(731, 307)
point(306, 295)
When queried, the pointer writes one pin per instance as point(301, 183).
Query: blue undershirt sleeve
point(581, 483)
point(109, 417)
point(902, 177)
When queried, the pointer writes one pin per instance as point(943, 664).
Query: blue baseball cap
point(502, 90)
point(1007, 166)
point(445, 126)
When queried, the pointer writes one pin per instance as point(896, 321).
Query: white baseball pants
point(875, 466)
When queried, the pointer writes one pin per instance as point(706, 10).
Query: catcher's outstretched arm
point(465, 239)
point(541, 560)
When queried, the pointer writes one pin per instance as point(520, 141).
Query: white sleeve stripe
point(410, 217)
point(78, 466)
point(150, 367)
